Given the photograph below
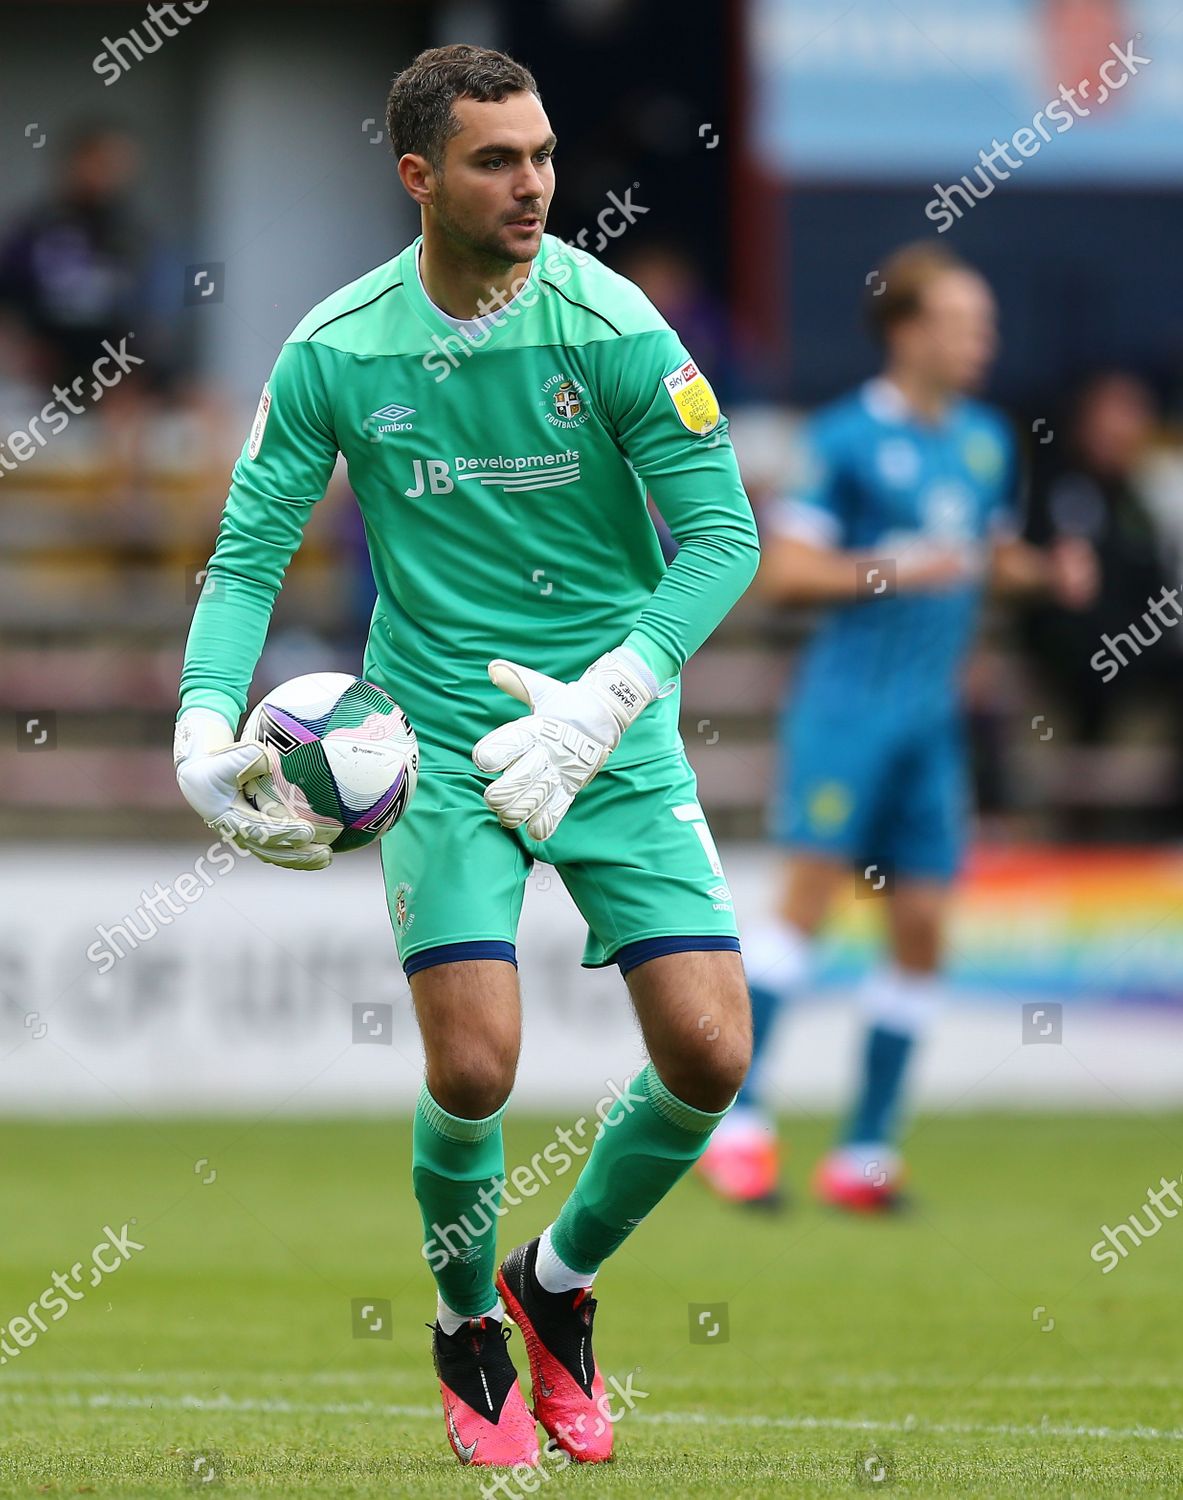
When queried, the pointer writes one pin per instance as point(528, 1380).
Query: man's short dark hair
point(419, 116)
point(896, 293)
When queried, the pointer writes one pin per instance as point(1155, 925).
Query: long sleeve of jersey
point(282, 472)
point(670, 429)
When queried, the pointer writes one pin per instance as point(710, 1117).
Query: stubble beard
point(484, 248)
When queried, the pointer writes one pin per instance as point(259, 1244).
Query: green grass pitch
point(968, 1347)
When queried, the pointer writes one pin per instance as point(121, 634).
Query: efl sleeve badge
point(260, 422)
point(693, 398)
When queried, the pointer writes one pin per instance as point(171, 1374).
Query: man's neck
point(464, 287)
point(927, 401)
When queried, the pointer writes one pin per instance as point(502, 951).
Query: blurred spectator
point(675, 285)
point(1101, 491)
point(82, 274)
point(78, 267)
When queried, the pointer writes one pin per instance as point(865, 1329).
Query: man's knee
point(917, 920)
point(470, 1068)
point(470, 1021)
point(711, 1058)
point(471, 1083)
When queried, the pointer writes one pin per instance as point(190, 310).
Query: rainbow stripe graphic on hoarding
point(1103, 925)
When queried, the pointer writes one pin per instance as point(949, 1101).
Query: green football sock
point(458, 1168)
point(647, 1142)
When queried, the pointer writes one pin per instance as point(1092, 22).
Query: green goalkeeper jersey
point(501, 476)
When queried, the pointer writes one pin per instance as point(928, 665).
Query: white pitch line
point(914, 1425)
point(910, 1425)
point(937, 1379)
point(101, 1402)
point(211, 1378)
point(884, 1381)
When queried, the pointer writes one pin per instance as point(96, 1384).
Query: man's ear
point(417, 176)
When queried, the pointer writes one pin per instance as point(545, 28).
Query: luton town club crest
point(567, 405)
point(402, 916)
point(566, 400)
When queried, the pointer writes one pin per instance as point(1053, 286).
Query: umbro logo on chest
point(392, 418)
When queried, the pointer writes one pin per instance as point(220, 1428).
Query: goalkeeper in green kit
point(504, 401)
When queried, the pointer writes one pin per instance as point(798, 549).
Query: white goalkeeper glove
point(212, 768)
point(573, 727)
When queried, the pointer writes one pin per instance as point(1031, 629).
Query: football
point(343, 756)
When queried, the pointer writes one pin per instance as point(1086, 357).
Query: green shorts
point(633, 850)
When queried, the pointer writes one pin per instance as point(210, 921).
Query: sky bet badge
point(693, 399)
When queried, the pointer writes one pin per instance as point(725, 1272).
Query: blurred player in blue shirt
point(905, 511)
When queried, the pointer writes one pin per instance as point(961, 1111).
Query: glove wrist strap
point(624, 683)
point(200, 731)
